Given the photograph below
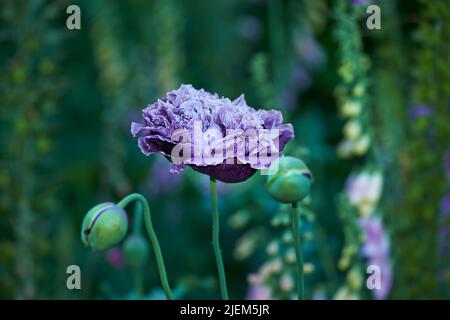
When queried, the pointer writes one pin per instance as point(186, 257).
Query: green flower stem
point(153, 239)
point(216, 245)
point(298, 252)
point(137, 222)
point(137, 228)
point(138, 284)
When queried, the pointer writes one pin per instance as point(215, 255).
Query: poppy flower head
point(225, 139)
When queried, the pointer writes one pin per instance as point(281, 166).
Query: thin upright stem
point(138, 285)
point(153, 239)
point(298, 252)
point(216, 245)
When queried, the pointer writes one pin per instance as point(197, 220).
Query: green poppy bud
point(104, 226)
point(135, 250)
point(292, 182)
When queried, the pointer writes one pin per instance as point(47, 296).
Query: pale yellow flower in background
point(352, 129)
point(361, 146)
point(344, 293)
point(286, 283)
point(351, 109)
point(345, 149)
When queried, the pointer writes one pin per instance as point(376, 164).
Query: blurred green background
point(67, 98)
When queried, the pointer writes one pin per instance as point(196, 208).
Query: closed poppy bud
point(292, 182)
point(135, 249)
point(104, 226)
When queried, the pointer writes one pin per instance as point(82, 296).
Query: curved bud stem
point(153, 239)
point(137, 223)
point(137, 228)
point(216, 245)
point(298, 251)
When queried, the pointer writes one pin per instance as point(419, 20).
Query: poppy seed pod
point(104, 226)
point(292, 182)
point(135, 249)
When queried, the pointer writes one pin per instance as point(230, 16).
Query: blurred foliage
point(67, 98)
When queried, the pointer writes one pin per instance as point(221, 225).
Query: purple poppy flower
point(227, 140)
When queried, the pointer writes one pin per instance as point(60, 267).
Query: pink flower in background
point(300, 79)
point(420, 111)
point(444, 232)
point(386, 278)
point(362, 2)
point(445, 205)
point(115, 257)
point(376, 249)
point(364, 191)
point(376, 242)
point(258, 292)
point(309, 50)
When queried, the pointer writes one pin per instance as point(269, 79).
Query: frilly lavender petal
point(185, 107)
